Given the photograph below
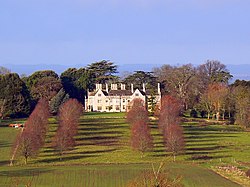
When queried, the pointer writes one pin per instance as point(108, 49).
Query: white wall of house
point(103, 103)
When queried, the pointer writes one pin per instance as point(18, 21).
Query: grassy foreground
point(103, 156)
point(105, 175)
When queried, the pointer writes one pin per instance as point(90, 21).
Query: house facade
point(112, 99)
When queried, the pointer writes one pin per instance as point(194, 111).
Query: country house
point(119, 100)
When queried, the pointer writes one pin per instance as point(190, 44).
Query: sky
point(70, 32)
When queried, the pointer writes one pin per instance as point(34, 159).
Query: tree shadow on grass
point(4, 162)
point(99, 140)
point(24, 172)
point(75, 156)
point(4, 144)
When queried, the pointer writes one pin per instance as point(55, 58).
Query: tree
point(4, 71)
point(214, 71)
point(140, 77)
point(179, 82)
point(214, 99)
point(14, 96)
point(76, 82)
point(32, 137)
point(69, 114)
point(169, 124)
point(141, 139)
point(242, 105)
point(43, 84)
point(169, 112)
point(102, 72)
point(60, 98)
point(174, 139)
point(137, 112)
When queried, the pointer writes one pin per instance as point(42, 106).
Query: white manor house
point(118, 100)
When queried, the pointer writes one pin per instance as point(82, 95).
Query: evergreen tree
point(14, 96)
point(57, 100)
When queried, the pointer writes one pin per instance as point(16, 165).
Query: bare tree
point(174, 139)
point(137, 112)
point(169, 124)
point(141, 138)
point(213, 71)
point(32, 137)
point(137, 116)
point(180, 82)
point(242, 105)
point(69, 114)
point(170, 111)
point(214, 99)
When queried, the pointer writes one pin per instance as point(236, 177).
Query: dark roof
point(119, 93)
point(93, 93)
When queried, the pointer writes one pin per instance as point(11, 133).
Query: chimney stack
point(159, 89)
point(107, 88)
point(98, 86)
point(113, 86)
point(132, 88)
point(122, 86)
point(143, 87)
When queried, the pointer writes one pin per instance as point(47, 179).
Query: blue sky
point(70, 32)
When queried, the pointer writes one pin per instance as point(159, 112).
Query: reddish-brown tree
point(173, 139)
point(69, 114)
point(169, 124)
point(215, 99)
point(32, 136)
point(137, 116)
point(137, 112)
point(170, 111)
point(141, 138)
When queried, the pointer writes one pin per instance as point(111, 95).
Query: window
point(117, 107)
point(124, 107)
point(117, 101)
point(136, 94)
point(128, 101)
point(107, 101)
point(99, 101)
point(99, 108)
point(123, 100)
point(99, 95)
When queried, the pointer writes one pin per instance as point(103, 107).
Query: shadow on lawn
point(4, 144)
point(4, 162)
point(99, 140)
point(25, 172)
point(74, 156)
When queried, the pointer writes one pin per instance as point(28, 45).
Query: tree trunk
point(26, 160)
point(217, 116)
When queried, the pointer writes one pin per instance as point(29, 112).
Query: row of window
point(117, 101)
point(117, 107)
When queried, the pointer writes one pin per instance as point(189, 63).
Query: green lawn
point(103, 151)
point(105, 175)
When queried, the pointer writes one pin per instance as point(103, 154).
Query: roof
point(93, 93)
point(119, 93)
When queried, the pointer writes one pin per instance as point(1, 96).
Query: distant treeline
point(204, 90)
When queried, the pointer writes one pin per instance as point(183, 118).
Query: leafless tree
point(32, 136)
point(69, 114)
point(174, 139)
point(141, 138)
point(137, 112)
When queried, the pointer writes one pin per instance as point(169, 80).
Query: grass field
point(103, 155)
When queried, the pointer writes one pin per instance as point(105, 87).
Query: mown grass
point(103, 140)
point(106, 175)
